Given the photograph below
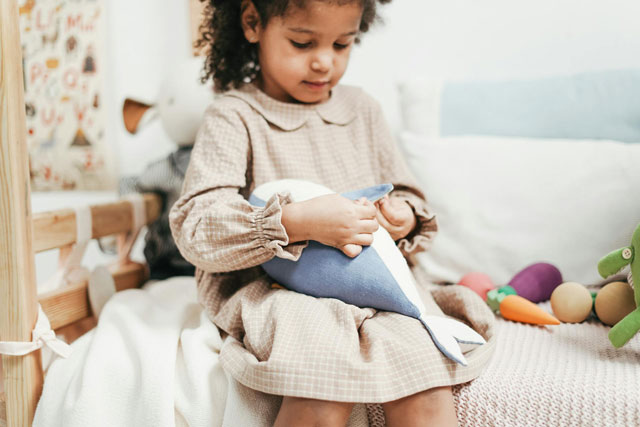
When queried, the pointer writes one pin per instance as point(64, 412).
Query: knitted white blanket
point(565, 375)
point(562, 376)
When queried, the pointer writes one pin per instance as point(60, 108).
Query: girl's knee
point(435, 405)
point(433, 396)
point(297, 411)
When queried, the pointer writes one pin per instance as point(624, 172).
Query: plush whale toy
point(378, 277)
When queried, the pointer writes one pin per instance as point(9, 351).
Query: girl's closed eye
point(299, 45)
point(307, 45)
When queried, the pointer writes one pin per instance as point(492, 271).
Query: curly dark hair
point(230, 59)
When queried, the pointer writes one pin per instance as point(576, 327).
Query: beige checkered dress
point(281, 342)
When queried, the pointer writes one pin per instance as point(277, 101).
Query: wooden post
point(23, 376)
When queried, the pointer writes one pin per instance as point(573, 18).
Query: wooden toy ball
point(571, 302)
point(479, 283)
point(613, 302)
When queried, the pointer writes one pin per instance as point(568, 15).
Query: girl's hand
point(396, 216)
point(332, 220)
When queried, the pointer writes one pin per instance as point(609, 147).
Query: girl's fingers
point(361, 201)
point(390, 213)
point(384, 222)
point(367, 210)
point(351, 250)
point(364, 239)
point(369, 225)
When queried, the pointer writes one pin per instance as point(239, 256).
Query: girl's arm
point(393, 169)
point(214, 227)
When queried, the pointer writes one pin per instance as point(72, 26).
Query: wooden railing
point(23, 376)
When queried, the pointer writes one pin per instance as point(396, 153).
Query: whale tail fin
point(447, 334)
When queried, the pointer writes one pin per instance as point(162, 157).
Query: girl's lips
point(316, 85)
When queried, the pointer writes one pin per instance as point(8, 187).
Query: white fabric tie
point(42, 335)
point(125, 244)
point(71, 271)
point(100, 282)
point(101, 285)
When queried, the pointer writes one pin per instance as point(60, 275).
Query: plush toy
point(511, 306)
point(180, 106)
point(478, 282)
point(537, 281)
point(507, 301)
point(378, 277)
point(625, 329)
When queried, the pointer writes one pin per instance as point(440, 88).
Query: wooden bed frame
point(22, 235)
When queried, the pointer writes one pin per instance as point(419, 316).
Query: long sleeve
point(393, 169)
point(213, 225)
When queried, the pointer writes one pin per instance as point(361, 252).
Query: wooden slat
point(58, 228)
point(69, 304)
point(3, 410)
point(72, 332)
point(23, 376)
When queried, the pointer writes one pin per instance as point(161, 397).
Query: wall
point(144, 39)
point(493, 39)
point(457, 39)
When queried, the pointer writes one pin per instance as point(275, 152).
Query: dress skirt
point(284, 343)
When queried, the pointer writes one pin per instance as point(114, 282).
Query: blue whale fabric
point(378, 277)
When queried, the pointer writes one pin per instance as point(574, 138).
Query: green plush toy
point(625, 329)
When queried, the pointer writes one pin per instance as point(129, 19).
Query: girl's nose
point(321, 63)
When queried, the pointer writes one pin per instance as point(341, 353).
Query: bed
point(563, 376)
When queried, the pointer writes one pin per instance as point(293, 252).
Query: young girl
point(285, 116)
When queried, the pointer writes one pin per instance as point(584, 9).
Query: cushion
point(504, 203)
point(594, 105)
point(378, 277)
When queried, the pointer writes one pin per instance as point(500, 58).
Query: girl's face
point(304, 53)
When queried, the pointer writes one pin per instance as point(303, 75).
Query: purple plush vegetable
point(537, 281)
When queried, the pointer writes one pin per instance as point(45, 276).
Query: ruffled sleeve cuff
point(269, 231)
point(421, 238)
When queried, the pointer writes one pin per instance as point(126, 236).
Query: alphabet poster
point(63, 62)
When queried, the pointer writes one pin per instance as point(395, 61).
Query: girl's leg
point(432, 407)
point(296, 411)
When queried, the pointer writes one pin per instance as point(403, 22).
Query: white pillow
point(420, 105)
point(602, 104)
point(503, 203)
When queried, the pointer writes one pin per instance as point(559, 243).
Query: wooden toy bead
point(614, 302)
point(571, 302)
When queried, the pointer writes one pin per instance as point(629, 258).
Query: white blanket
point(153, 361)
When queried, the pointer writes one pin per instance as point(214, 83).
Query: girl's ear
point(250, 20)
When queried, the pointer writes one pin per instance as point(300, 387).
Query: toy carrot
point(514, 307)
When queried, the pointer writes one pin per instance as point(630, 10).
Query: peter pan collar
point(339, 109)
